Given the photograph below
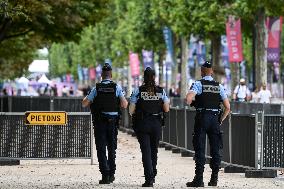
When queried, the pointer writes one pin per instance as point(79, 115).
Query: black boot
point(105, 180)
point(148, 182)
point(155, 174)
point(196, 182)
point(111, 178)
point(213, 180)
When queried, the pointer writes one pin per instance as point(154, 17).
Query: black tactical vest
point(106, 99)
point(149, 104)
point(210, 97)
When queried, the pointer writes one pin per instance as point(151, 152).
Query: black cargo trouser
point(207, 123)
point(106, 137)
point(148, 131)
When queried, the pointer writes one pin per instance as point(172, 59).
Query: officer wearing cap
point(147, 103)
point(105, 101)
point(208, 95)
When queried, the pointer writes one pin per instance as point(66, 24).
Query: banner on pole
point(134, 64)
point(80, 72)
point(99, 71)
point(274, 35)
point(92, 73)
point(169, 44)
point(234, 39)
point(148, 59)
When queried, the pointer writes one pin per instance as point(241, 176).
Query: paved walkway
point(173, 172)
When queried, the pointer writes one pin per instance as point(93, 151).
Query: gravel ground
point(173, 172)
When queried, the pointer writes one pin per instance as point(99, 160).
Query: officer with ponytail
point(147, 104)
point(105, 100)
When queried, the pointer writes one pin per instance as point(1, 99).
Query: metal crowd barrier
point(42, 103)
point(73, 104)
point(4, 104)
point(68, 104)
point(240, 107)
point(73, 140)
point(243, 141)
point(249, 141)
point(272, 141)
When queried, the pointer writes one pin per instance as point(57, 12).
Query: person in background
point(4, 92)
point(54, 90)
point(242, 92)
point(172, 91)
point(254, 95)
point(71, 91)
point(65, 91)
point(47, 90)
point(264, 95)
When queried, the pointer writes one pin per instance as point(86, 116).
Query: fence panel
point(244, 140)
point(166, 129)
point(39, 104)
point(69, 104)
point(45, 141)
point(173, 126)
point(253, 108)
point(190, 115)
point(4, 104)
point(225, 152)
point(180, 127)
point(273, 141)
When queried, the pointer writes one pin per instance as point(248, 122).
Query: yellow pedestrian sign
point(45, 118)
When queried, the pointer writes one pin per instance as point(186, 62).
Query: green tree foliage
point(42, 22)
point(14, 56)
point(130, 27)
point(53, 20)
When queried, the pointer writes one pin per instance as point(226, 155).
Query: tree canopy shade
point(52, 20)
point(26, 25)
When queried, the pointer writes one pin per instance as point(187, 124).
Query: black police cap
point(106, 67)
point(207, 64)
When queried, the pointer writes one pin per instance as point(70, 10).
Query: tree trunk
point(176, 62)
point(235, 76)
point(129, 82)
point(184, 50)
point(260, 50)
point(161, 69)
point(216, 57)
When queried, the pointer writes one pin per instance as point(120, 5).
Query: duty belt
point(202, 110)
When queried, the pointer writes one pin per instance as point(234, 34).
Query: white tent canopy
point(44, 79)
point(23, 80)
point(40, 66)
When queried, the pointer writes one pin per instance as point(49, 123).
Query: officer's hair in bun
point(149, 81)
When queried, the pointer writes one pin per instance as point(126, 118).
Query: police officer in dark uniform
point(147, 104)
point(209, 95)
point(105, 101)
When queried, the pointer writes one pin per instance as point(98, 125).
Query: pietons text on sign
point(45, 118)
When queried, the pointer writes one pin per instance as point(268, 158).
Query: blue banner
point(80, 72)
point(201, 52)
point(169, 44)
point(99, 71)
point(225, 52)
point(86, 74)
